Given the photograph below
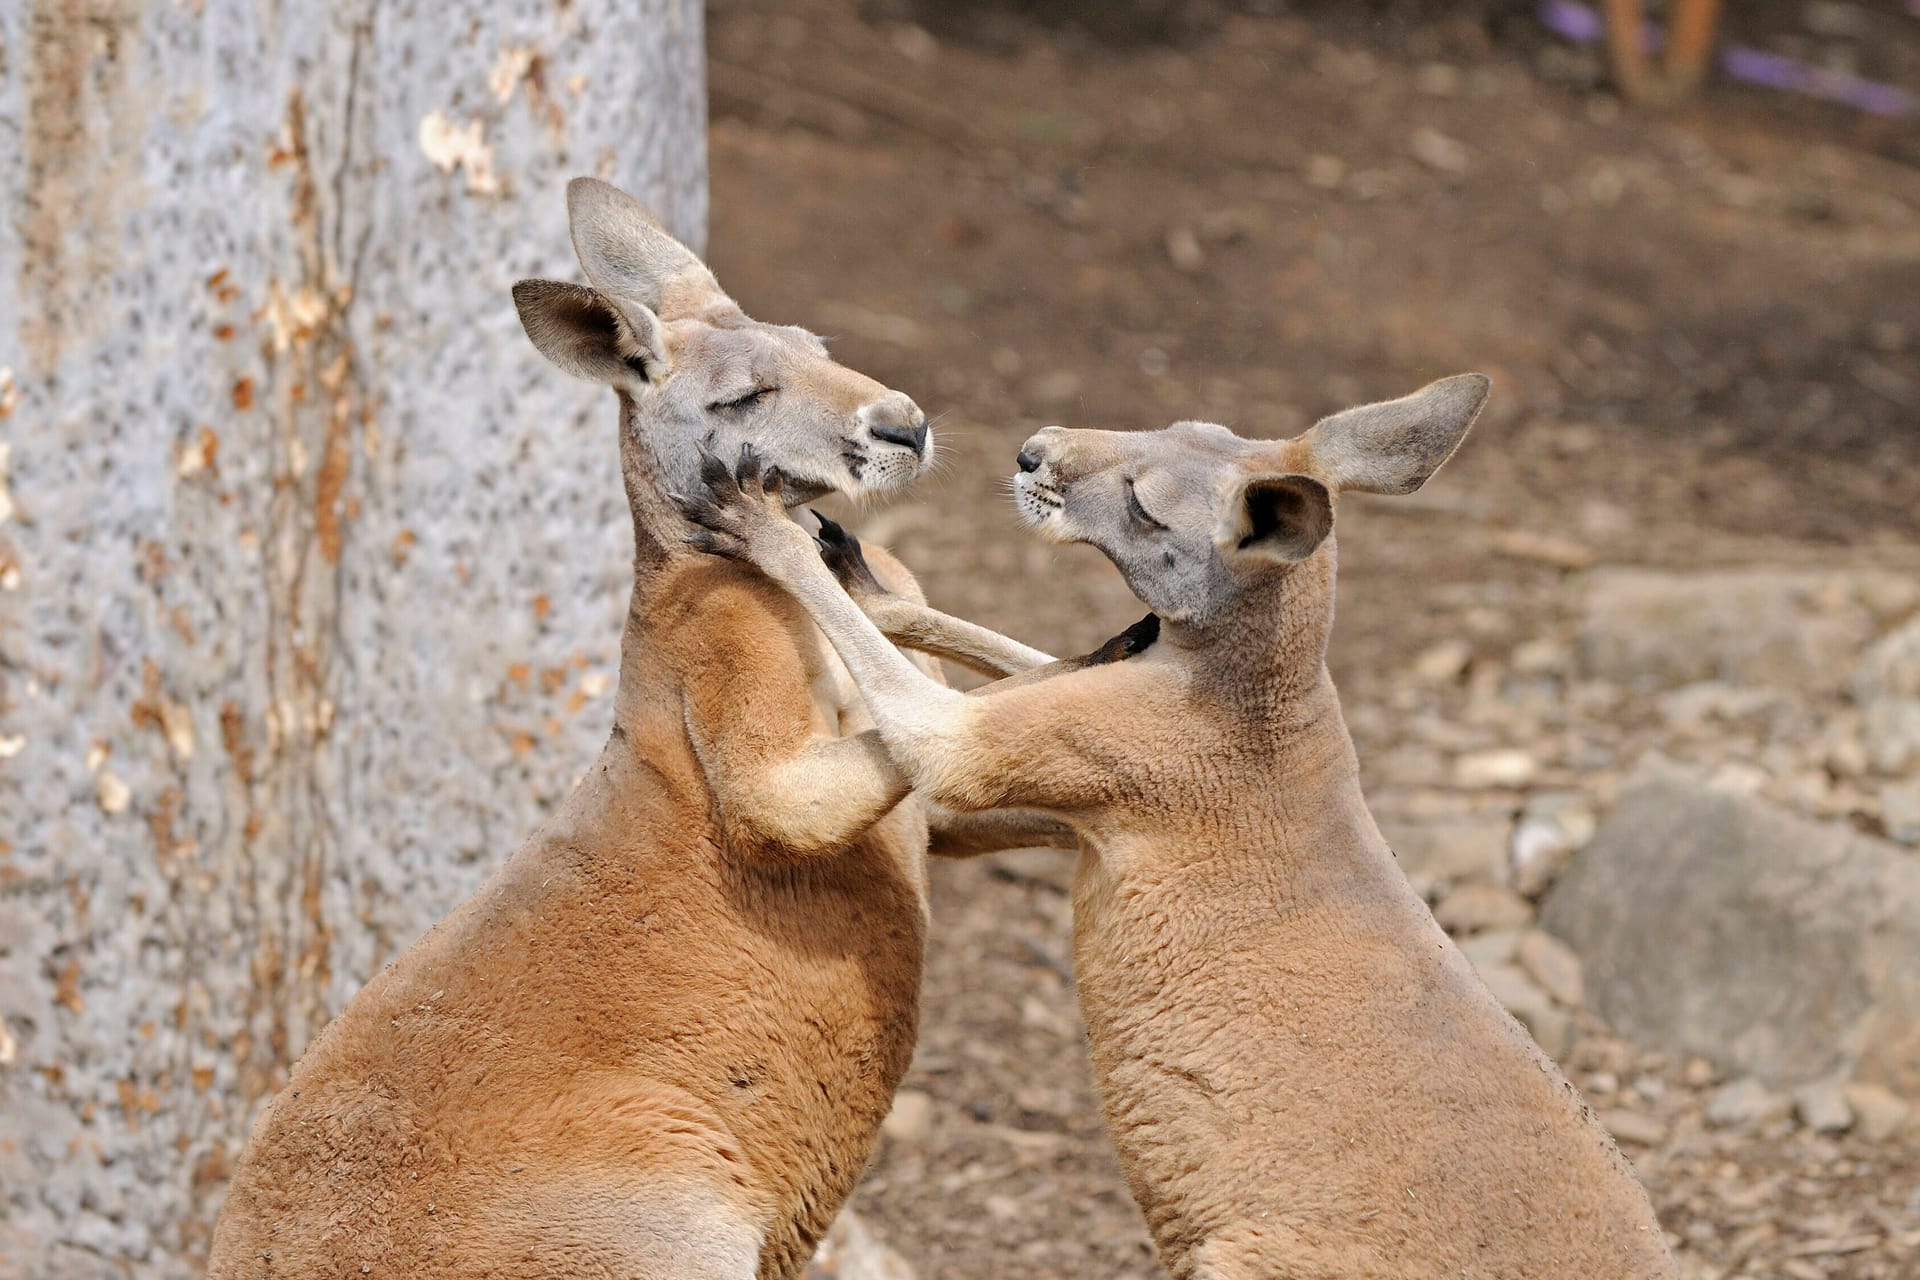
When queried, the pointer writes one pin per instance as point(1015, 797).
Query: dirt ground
point(1702, 327)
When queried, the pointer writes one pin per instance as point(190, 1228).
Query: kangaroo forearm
point(954, 834)
point(906, 703)
point(927, 630)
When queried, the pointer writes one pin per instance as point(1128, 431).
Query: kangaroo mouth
point(883, 470)
point(1037, 501)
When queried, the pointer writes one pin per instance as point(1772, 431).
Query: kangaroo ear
point(1396, 446)
point(627, 253)
point(1275, 517)
point(589, 336)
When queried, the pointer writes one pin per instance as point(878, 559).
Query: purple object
point(1582, 25)
point(1775, 71)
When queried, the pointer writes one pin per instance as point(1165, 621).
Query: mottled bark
point(311, 573)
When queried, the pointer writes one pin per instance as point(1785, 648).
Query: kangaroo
point(1301, 1074)
point(657, 1044)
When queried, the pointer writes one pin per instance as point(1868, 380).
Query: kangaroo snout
point(1042, 448)
point(898, 420)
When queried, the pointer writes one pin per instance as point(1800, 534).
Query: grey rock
point(1475, 906)
point(1540, 851)
point(1890, 667)
point(1449, 848)
point(1762, 626)
point(1744, 1104)
point(1501, 767)
point(1554, 966)
point(1900, 811)
point(1893, 734)
point(1822, 1107)
point(1714, 925)
point(1553, 826)
point(1878, 1112)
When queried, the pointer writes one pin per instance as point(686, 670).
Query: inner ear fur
point(591, 336)
point(1395, 446)
point(1276, 517)
point(627, 253)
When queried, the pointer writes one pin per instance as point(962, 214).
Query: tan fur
point(658, 1043)
point(1302, 1075)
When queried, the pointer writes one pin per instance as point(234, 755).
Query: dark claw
point(714, 475)
point(841, 552)
point(746, 471)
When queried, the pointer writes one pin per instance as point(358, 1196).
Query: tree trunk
point(311, 572)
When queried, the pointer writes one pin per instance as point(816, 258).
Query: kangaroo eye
point(1139, 512)
point(746, 401)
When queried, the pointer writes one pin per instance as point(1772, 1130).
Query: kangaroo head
point(1195, 517)
point(692, 368)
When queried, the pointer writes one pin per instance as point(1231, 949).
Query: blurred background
point(310, 572)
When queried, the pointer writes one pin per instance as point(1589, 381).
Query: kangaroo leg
point(1689, 42)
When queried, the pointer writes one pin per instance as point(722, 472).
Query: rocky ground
point(1673, 578)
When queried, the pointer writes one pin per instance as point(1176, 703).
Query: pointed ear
point(1275, 517)
point(1396, 446)
point(627, 253)
point(587, 335)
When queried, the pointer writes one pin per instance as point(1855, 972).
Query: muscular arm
point(1010, 747)
point(781, 788)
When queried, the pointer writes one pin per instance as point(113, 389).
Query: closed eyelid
point(1133, 504)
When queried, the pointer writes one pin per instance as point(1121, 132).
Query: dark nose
point(913, 437)
point(1027, 461)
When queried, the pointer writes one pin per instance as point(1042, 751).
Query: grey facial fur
point(693, 368)
point(1195, 517)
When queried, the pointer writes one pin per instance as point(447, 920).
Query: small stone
point(1505, 767)
point(1698, 1073)
point(1472, 907)
point(911, 1118)
point(1744, 1104)
point(1438, 152)
point(1550, 1028)
point(1878, 1112)
point(1540, 851)
point(1449, 848)
point(1325, 172)
point(1737, 778)
point(1846, 757)
point(1494, 946)
point(1893, 733)
point(1443, 662)
point(1543, 548)
point(1554, 966)
point(1890, 666)
point(1900, 811)
point(852, 1252)
point(1822, 1107)
point(1540, 657)
point(1183, 249)
point(1636, 1127)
